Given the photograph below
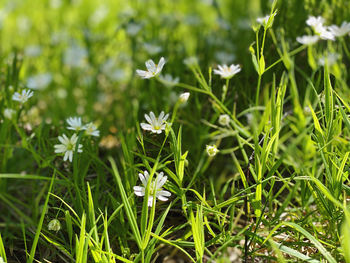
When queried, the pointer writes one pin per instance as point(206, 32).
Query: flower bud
point(54, 225)
point(211, 150)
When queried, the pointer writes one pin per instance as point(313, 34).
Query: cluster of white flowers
point(76, 124)
point(323, 32)
point(155, 187)
point(68, 145)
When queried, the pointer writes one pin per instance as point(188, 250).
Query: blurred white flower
point(132, 29)
point(315, 21)
point(54, 225)
point(168, 80)
point(40, 81)
point(22, 97)
point(224, 57)
point(340, 31)
point(155, 125)
point(330, 58)
point(184, 97)
point(155, 188)
point(9, 113)
point(54, 4)
point(32, 51)
point(74, 123)
point(266, 21)
point(317, 25)
point(227, 72)
point(75, 56)
point(152, 69)
point(99, 15)
point(91, 129)
point(2, 260)
point(224, 119)
point(211, 150)
point(112, 71)
point(152, 49)
point(190, 61)
point(68, 146)
point(308, 40)
point(24, 24)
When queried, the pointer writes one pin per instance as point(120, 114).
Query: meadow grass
point(187, 161)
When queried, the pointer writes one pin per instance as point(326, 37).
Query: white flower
point(132, 29)
point(152, 69)
point(22, 97)
point(32, 51)
point(40, 81)
point(75, 56)
point(155, 188)
point(155, 125)
point(330, 58)
point(9, 113)
point(2, 260)
point(308, 40)
point(227, 72)
point(317, 24)
point(184, 97)
point(315, 21)
point(168, 80)
point(54, 225)
point(152, 49)
point(340, 31)
point(265, 20)
point(211, 150)
point(190, 61)
point(91, 129)
point(68, 146)
point(74, 123)
point(224, 120)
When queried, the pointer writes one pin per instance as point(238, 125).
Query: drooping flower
point(224, 119)
point(340, 31)
point(308, 40)
point(152, 69)
point(184, 97)
point(211, 150)
point(91, 129)
point(155, 125)
point(23, 96)
point(74, 123)
point(227, 72)
point(54, 225)
point(330, 59)
point(68, 146)
point(155, 188)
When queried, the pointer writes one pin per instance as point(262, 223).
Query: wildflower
point(2, 260)
point(190, 61)
point(54, 225)
point(211, 150)
point(168, 80)
point(32, 51)
point(317, 24)
point(152, 49)
point(152, 69)
point(9, 113)
point(224, 119)
point(132, 29)
point(308, 40)
point(155, 125)
point(22, 97)
point(75, 56)
point(330, 58)
point(155, 188)
point(340, 31)
point(74, 123)
point(266, 21)
point(40, 81)
point(184, 97)
point(227, 72)
point(91, 129)
point(315, 21)
point(68, 146)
